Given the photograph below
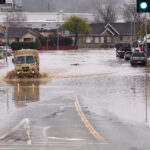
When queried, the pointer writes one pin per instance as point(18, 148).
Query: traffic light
point(2, 1)
point(143, 6)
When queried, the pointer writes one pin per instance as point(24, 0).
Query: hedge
point(25, 45)
point(52, 41)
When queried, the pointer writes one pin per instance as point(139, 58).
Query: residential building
point(106, 35)
point(22, 35)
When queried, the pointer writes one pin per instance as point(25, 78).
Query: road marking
point(28, 132)
point(65, 139)
point(86, 122)
point(24, 121)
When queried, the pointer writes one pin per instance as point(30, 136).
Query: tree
point(15, 19)
point(106, 12)
point(130, 13)
point(76, 25)
point(141, 31)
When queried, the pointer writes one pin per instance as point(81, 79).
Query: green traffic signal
point(143, 5)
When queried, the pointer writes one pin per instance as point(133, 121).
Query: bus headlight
point(18, 72)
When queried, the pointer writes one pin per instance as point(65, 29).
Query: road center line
point(65, 139)
point(86, 122)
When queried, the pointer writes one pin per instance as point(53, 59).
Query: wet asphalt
point(91, 101)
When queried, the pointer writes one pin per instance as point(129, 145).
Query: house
point(106, 35)
point(46, 33)
point(22, 35)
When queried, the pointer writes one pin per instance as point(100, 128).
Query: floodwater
point(109, 90)
point(126, 88)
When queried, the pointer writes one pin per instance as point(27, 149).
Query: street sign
point(143, 6)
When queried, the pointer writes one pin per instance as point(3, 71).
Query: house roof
point(122, 28)
point(111, 28)
point(16, 32)
point(108, 30)
point(117, 28)
point(20, 32)
point(97, 28)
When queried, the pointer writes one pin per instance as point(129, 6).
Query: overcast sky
point(65, 5)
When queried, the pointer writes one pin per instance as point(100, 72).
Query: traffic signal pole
point(6, 37)
point(146, 51)
point(143, 6)
point(131, 34)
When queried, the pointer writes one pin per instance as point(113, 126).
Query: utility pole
point(14, 5)
point(48, 7)
point(146, 37)
point(6, 34)
point(131, 34)
point(146, 103)
point(133, 24)
point(47, 43)
point(134, 29)
point(58, 31)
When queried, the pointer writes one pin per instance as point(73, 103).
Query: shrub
point(38, 43)
point(25, 45)
point(63, 41)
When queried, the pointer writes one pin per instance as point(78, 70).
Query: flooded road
point(91, 100)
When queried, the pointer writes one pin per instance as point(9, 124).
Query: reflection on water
point(26, 91)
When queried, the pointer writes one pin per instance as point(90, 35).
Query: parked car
point(138, 58)
point(127, 55)
point(121, 48)
point(136, 50)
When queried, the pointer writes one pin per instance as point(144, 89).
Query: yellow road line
point(86, 122)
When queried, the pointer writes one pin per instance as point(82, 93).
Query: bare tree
point(130, 13)
point(106, 12)
point(15, 19)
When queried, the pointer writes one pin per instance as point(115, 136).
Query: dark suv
point(138, 58)
point(121, 48)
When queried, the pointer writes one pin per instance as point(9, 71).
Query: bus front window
point(30, 60)
point(20, 60)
